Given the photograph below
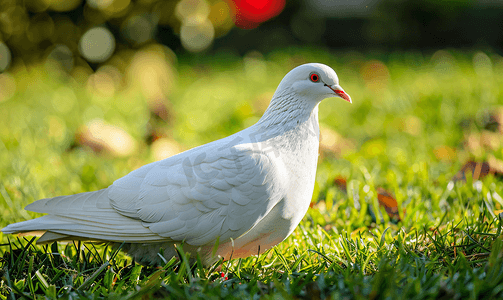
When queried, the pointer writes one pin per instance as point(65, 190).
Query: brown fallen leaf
point(388, 201)
point(385, 198)
point(341, 183)
point(478, 170)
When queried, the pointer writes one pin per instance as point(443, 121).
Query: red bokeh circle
point(249, 14)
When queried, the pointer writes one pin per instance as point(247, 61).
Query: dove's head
point(316, 81)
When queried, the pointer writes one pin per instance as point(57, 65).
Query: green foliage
point(448, 243)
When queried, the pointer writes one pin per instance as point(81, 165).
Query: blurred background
point(90, 32)
point(92, 89)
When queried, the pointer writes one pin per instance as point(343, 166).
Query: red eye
point(314, 77)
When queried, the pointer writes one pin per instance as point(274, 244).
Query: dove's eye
point(314, 77)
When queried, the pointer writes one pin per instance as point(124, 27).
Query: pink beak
point(339, 92)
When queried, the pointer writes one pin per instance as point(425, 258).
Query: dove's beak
point(339, 92)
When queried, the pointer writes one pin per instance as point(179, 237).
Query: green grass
point(448, 243)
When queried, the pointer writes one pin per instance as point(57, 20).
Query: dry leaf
point(340, 182)
point(388, 201)
point(477, 169)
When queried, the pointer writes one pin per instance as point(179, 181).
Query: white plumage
point(247, 191)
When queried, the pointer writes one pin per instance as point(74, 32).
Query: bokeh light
point(152, 69)
point(197, 32)
point(250, 13)
point(30, 27)
point(139, 29)
point(197, 37)
point(5, 57)
point(164, 147)
point(221, 18)
point(97, 44)
point(103, 137)
point(192, 11)
point(105, 81)
point(60, 56)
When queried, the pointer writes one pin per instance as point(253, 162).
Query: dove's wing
point(196, 196)
point(201, 194)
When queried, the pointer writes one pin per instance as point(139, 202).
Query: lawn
point(392, 216)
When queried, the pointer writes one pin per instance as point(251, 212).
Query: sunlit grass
point(408, 125)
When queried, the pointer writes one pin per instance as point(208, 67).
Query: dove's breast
point(295, 153)
point(300, 158)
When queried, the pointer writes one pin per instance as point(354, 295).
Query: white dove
point(240, 195)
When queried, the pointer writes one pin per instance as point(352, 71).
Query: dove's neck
point(286, 111)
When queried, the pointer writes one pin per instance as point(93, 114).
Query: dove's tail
point(40, 227)
point(85, 216)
